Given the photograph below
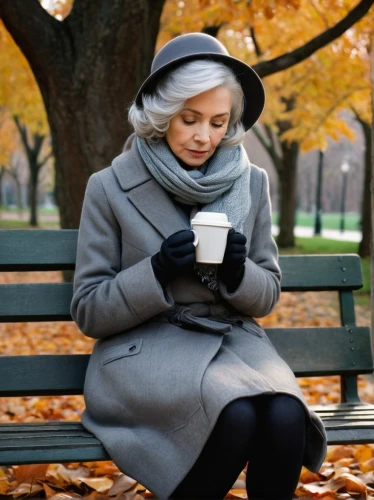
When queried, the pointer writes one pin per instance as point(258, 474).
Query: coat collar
point(145, 192)
point(129, 166)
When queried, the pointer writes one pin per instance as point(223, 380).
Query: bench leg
point(349, 389)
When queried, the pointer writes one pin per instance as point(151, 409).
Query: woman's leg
point(224, 455)
point(275, 461)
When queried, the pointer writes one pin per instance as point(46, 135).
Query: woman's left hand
point(231, 271)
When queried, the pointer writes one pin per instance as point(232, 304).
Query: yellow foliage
point(333, 78)
point(9, 138)
point(19, 92)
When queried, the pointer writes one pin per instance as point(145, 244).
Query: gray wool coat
point(154, 390)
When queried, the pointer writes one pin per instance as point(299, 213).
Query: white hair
point(151, 121)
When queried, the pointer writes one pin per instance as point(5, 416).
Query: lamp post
point(344, 168)
point(318, 220)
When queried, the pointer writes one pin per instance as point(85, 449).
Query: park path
point(331, 234)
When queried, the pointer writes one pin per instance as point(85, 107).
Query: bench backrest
point(344, 350)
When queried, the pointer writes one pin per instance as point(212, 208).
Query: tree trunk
point(33, 199)
point(32, 150)
point(2, 171)
point(364, 247)
point(319, 207)
point(372, 189)
point(18, 195)
point(287, 195)
point(100, 55)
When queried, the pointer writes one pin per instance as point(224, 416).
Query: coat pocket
point(121, 351)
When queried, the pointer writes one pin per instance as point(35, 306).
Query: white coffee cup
point(210, 229)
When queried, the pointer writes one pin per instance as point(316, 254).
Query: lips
point(197, 154)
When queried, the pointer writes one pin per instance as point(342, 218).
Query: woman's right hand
point(176, 256)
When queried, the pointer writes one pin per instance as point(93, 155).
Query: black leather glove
point(231, 271)
point(176, 256)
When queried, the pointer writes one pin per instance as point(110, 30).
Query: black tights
point(269, 433)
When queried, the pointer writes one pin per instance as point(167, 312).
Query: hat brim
point(253, 89)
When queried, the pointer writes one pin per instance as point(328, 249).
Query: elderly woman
point(183, 387)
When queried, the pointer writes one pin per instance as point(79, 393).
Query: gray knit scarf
point(220, 185)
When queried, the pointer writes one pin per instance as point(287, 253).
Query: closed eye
point(215, 125)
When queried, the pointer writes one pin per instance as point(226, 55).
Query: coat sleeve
point(259, 290)
point(108, 300)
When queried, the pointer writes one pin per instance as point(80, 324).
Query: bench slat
point(80, 445)
point(343, 414)
point(346, 418)
point(345, 435)
point(324, 351)
point(37, 426)
point(38, 250)
point(310, 352)
point(22, 250)
point(42, 375)
point(320, 272)
point(45, 441)
point(59, 442)
point(35, 302)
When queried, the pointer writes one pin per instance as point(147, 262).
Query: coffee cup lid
point(210, 223)
point(210, 217)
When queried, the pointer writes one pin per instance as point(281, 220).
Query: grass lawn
point(21, 224)
point(48, 211)
point(319, 245)
point(329, 221)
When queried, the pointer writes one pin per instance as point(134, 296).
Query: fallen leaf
point(363, 453)
point(367, 466)
point(30, 473)
point(65, 496)
point(330, 487)
point(122, 483)
point(306, 476)
point(49, 492)
point(237, 493)
point(66, 475)
point(338, 452)
point(239, 484)
point(4, 486)
point(26, 489)
point(353, 483)
point(100, 484)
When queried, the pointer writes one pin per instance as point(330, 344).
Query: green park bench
point(343, 351)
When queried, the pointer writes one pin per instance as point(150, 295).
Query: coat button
point(132, 348)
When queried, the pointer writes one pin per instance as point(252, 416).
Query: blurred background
point(69, 71)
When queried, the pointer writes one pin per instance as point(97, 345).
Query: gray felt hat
point(201, 46)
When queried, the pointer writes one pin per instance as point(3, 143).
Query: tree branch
point(288, 60)
point(37, 34)
point(268, 146)
point(42, 162)
point(255, 41)
point(22, 132)
point(211, 30)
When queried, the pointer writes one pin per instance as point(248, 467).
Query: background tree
point(90, 65)
point(21, 101)
point(8, 143)
point(371, 53)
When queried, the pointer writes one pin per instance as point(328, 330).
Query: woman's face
point(195, 132)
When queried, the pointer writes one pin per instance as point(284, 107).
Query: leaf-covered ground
point(347, 473)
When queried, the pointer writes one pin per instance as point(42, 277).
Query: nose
point(202, 134)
